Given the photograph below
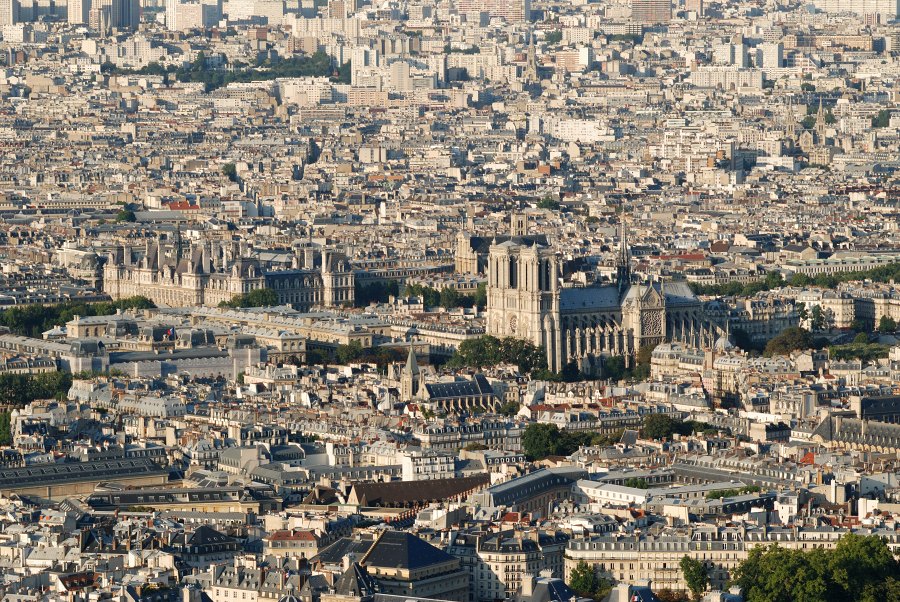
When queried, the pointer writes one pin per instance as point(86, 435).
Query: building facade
point(172, 276)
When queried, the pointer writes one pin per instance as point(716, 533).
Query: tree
point(5, 429)
point(637, 483)
point(774, 280)
point(548, 203)
point(695, 575)
point(230, 171)
point(882, 120)
point(614, 367)
point(449, 298)
point(126, 215)
point(540, 440)
point(351, 352)
point(260, 297)
point(861, 339)
point(480, 295)
point(344, 73)
point(789, 339)
point(658, 426)
point(887, 324)
point(316, 357)
point(817, 320)
point(553, 37)
point(510, 408)
point(858, 568)
point(583, 580)
point(489, 351)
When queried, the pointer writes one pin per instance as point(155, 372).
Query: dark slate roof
point(548, 590)
point(355, 582)
point(398, 549)
point(589, 298)
point(482, 244)
point(75, 472)
point(334, 554)
point(476, 387)
point(402, 493)
point(205, 534)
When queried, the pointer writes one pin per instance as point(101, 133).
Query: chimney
point(527, 585)
point(347, 561)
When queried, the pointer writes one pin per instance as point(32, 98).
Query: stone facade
point(582, 324)
point(173, 276)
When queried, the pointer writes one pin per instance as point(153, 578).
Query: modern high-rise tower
point(651, 11)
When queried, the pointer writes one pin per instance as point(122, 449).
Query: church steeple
point(410, 376)
point(531, 75)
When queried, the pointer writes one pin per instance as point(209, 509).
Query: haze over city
point(449, 301)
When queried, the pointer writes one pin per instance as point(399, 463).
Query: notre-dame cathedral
point(528, 299)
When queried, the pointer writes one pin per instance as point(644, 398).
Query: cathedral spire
point(623, 260)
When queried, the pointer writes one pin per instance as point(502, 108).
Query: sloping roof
point(589, 298)
point(355, 582)
point(403, 493)
point(477, 387)
point(399, 549)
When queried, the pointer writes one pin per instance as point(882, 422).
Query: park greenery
point(229, 170)
point(788, 340)
point(541, 440)
point(375, 292)
point(5, 428)
point(448, 298)
point(860, 568)
point(614, 368)
point(773, 280)
point(33, 320)
point(260, 297)
point(663, 426)
point(490, 351)
point(859, 350)
point(548, 203)
point(354, 352)
point(214, 77)
point(17, 390)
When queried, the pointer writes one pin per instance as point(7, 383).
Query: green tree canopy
point(789, 339)
point(126, 215)
point(695, 575)
point(489, 351)
point(858, 568)
point(887, 324)
point(32, 320)
point(584, 581)
point(260, 297)
point(351, 352)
